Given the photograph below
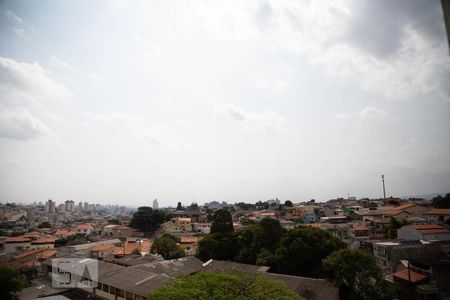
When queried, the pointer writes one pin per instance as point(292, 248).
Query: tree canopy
point(10, 281)
point(288, 203)
point(258, 242)
point(45, 224)
point(357, 270)
point(302, 249)
point(167, 247)
point(147, 219)
point(441, 202)
point(222, 222)
point(220, 246)
point(224, 286)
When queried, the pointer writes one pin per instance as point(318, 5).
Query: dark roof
point(218, 265)
point(135, 259)
point(174, 267)
point(136, 281)
point(309, 288)
point(41, 287)
point(429, 261)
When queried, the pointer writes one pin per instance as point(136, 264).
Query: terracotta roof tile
point(438, 211)
point(411, 276)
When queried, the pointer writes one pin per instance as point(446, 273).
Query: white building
point(155, 204)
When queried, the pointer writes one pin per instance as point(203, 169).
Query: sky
point(122, 102)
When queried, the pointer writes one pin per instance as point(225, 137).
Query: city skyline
point(119, 101)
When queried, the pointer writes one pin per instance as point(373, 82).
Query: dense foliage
point(220, 246)
point(441, 202)
point(393, 225)
point(147, 219)
point(302, 249)
point(355, 270)
point(45, 224)
point(10, 281)
point(167, 247)
point(222, 222)
point(224, 286)
point(296, 252)
point(257, 242)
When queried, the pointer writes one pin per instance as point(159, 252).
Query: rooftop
point(410, 275)
point(438, 211)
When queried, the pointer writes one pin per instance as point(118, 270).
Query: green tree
point(224, 286)
point(288, 203)
point(302, 249)
point(441, 202)
point(394, 225)
point(167, 248)
point(10, 281)
point(222, 222)
point(113, 221)
point(179, 206)
point(45, 224)
point(258, 242)
point(147, 219)
point(356, 270)
point(220, 246)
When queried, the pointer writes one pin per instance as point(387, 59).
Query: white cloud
point(58, 63)
point(21, 124)
point(373, 113)
point(251, 120)
point(12, 16)
point(134, 126)
point(24, 82)
point(401, 56)
point(367, 113)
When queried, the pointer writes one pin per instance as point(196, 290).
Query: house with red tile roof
point(438, 215)
point(102, 250)
point(405, 210)
point(424, 232)
point(17, 244)
point(84, 229)
point(44, 242)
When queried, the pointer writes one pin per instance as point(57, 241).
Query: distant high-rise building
point(155, 204)
point(69, 205)
point(61, 207)
point(80, 206)
point(86, 206)
point(50, 206)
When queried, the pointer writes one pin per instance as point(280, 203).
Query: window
point(112, 290)
point(120, 293)
point(129, 296)
point(105, 288)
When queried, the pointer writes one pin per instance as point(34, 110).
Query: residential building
point(102, 250)
point(438, 215)
point(17, 244)
point(405, 210)
point(387, 254)
point(50, 206)
point(424, 232)
point(85, 229)
point(44, 242)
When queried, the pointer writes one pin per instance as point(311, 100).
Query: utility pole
point(384, 188)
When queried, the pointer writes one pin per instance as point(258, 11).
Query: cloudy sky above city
point(127, 101)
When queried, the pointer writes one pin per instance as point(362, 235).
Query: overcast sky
point(127, 101)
